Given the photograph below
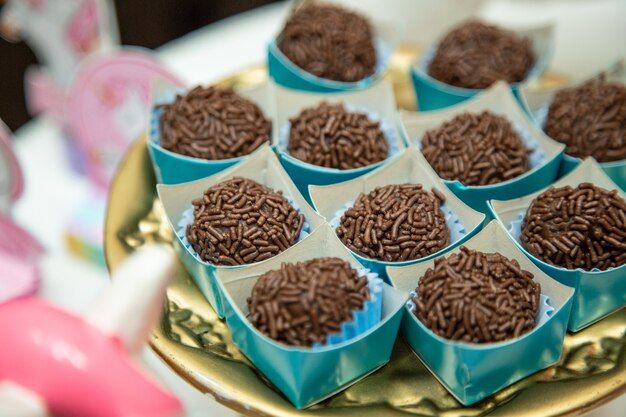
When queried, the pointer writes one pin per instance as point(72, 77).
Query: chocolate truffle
point(476, 55)
point(330, 136)
point(240, 221)
point(395, 223)
point(590, 120)
point(582, 227)
point(330, 42)
point(477, 297)
point(301, 304)
point(213, 123)
point(476, 149)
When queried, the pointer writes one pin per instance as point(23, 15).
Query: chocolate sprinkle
point(213, 123)
point(590, 120)
point(395, 223)
point(476, 55)
point(301, 304)
point(476, 149)
point(582, 227)
point(330, 42)
point(240, 221)
point(477, 297)
point(330, 136)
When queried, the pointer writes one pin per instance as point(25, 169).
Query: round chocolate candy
point(477, 297)
point(330, 136)
point(395, 223)
point(301, 304)
point(240, 221)
point(330, 42)
point(582, 227)
point(476, 149)
point(590, 120)
point(476, 55)
point(213, 123)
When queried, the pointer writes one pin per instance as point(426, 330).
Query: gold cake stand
point(197, 345)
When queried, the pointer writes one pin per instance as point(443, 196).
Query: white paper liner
point(456, 227)
point(543, 314)
point(364, 319)
point(386, 127)
point(515, 230)
point(187, 219)
point(536, 159)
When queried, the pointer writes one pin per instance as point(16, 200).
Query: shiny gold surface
point(197, 345)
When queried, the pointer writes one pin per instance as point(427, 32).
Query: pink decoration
point(83, 30)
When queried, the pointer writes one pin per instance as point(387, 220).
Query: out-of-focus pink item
point(17, 278)
point(53, 361)
point(11, 178)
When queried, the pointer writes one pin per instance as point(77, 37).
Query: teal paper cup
point(598, 293)
point(472, 372)
point(537, 103)
point(309, 375)
point(433, 94)
point(261, 166)
point(286, 73)
point(377, 101)
point(408, 167)
point(545, 159)
point(173, 168)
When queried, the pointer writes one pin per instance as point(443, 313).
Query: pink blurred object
point(17, 242)
point(83, 29)
point(55, 362)
point(17, 278)
point(12, 175)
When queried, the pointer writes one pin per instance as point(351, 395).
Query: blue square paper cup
point(261, 166)
point(377, 101)
point(309, 375)
point(173, 168)
point(537, 103)
point(433, 94)
point(598, 293)
point(286, 73)
point(472, 372)
point(545, 159)
point(408, 167)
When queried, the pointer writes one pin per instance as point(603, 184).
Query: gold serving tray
point(197, 345)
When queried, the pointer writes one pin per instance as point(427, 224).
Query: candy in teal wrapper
point(261, 166)
point(308, 375)
point(598, 293)
point(407, 167)
point(286, 73)
point(173, 168)
point(472, 372)
point(537, 103)
point(433, 94)
point(377, 101)
point(544, 160)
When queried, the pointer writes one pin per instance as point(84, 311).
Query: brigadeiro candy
point(582, 227)
point(477, 297)
point(590, 120)
point(240, 221)
point(476, 55)
point(302, 304)
point(395, 223)
point(330, 136)
point(330, 42)
point(213, 123)
point(476, 149)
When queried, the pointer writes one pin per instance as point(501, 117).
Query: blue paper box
point(597, 293)
point(433, 94)
point(173, 168)
point(261, 166)
point(309, 375)
point(378, 101)
point(408, 167)
point(537, 103)
point(498, 99)
point(472, 372)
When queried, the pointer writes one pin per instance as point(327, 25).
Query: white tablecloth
point(54, 191)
